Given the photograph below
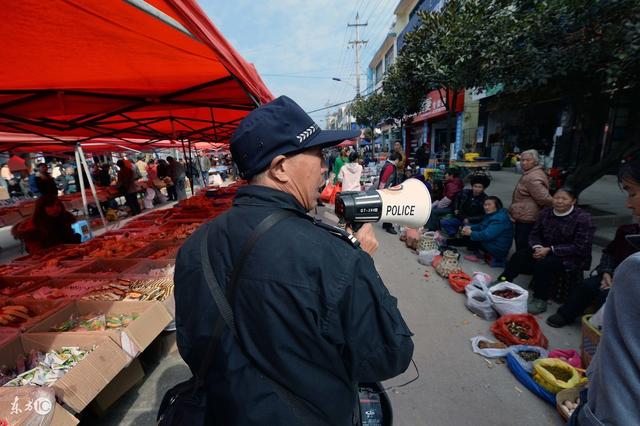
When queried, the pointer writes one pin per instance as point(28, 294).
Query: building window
point(379, 73)
point(388, 59)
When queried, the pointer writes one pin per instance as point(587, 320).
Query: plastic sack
point(569, 356)
point(436, 261)
point(525, 325)
point(337, 188)
point(478, 302)
point(458, 281)
point(413, 237)
point(480, 281)
point(527, 365)
point(325, 195)
point(487, 352)
point(555, 375)
point(515, 305)
point(426, 257)
point(528, 382)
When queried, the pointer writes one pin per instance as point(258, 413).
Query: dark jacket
point(309, 308)
point(468, 206)
point(618, 249)
point(495, 232)
point(46, 185)
point(570, 237)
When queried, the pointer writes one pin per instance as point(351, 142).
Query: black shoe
point(556, 320)
point(392, 231)
point(320, 204)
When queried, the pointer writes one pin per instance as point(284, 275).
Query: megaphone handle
point(355, 227)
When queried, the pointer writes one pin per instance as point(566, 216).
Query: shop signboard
point(434, 106)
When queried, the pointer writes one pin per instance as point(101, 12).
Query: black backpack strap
point(296, 404)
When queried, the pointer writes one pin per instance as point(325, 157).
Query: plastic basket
point(590, 340)
point(103, 268)
point(564, 395)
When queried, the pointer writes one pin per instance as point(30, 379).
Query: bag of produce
point(480, 281)
point(555, 375)
point(459, 281)
point(569, 356)
point(525, 355)
point(488, 348)
point(519, 329)
point(528, 382)
point(478, 302)
point(426, 257)
point(509, 298)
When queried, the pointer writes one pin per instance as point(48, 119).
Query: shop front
point(430, 125)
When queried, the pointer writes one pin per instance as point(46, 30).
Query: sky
point(298, 46)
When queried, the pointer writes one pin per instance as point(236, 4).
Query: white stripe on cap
point(307, 133)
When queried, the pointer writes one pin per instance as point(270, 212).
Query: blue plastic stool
point(82, 227)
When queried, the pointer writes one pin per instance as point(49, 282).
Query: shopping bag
point(509, 298)
point(458, 281)
point(488, 348)
point(426, 257)
point(325, 195)
point(478, 302)
point(526, 355)
point(413, 237)
point(337, 188)
point(569, 356)
point(480, 281)
point(555, 375)
point(519, 329)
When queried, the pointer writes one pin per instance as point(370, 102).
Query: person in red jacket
point(388, 178)
point(452, 186)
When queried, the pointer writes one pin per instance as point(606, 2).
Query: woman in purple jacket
point(561, 240)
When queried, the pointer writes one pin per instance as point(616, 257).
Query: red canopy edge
point(153, 70)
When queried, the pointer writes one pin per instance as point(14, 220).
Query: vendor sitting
point(452, 186)
point(49, 226)
point(560, 241)
point(492, 236)
point(468, 206)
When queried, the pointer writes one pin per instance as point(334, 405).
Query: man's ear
point(277, 169)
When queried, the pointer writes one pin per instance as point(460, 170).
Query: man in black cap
point(313, 317)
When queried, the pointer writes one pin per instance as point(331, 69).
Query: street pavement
point(455, 386)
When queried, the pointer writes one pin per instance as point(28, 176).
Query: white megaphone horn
point(407, 204)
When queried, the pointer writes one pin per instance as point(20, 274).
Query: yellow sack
point(555, 375)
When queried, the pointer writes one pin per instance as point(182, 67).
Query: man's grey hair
point(533, 153)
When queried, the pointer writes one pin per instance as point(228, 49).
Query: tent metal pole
point(80, 178)
point(192, 169)
point(93, 188)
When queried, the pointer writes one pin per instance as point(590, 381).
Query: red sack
point(325, 195)
point(337, 188)
point(530, 332)
point(458, 281)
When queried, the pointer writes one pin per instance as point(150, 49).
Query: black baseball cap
point(277, 128)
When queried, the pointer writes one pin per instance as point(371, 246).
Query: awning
point(151, 70)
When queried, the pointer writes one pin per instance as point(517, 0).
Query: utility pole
point(357, 42)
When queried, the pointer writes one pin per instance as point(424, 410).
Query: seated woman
point(492, 236)
point(561, 240)
point(452, 186)
point(49, 226)
point(468, 206)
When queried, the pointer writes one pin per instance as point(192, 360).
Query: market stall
point(105, 301)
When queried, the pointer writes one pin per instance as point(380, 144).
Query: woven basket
point(564, 395)
point(590, 340)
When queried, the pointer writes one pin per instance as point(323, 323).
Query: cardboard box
point(85, 380)
point(103, 268)
point(133, 339)
point(121, 384)
point(41, 309)
point(62, 417)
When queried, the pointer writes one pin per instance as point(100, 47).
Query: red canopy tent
point(133, 69)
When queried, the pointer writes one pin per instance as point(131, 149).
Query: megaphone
point(407, 204)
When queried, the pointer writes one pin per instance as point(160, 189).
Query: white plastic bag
point(517, 305)
point(480, 281)
point(527, 365)
point(487, 352)
point(426, 257)
point(479, 303)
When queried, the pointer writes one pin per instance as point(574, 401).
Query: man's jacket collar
point(263, 196)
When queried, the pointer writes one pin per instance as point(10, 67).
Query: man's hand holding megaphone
point(366, 237)
point(407, 204)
